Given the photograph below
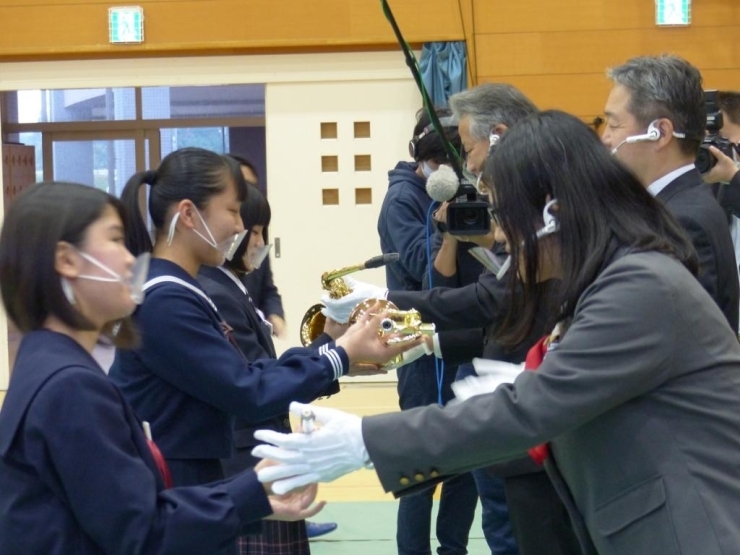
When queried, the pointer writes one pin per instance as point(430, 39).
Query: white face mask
point(551, 226)
point(135, 283)
point(258, 256)
point(227, 248)
point(426, 169)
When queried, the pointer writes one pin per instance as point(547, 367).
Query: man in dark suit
point(655, 122)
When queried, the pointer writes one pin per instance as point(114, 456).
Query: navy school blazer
point(253, 338)
point(77, 476)
point(189, 381)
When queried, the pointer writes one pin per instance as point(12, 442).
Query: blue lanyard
point(439, 365)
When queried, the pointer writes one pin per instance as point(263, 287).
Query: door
point(329, 148)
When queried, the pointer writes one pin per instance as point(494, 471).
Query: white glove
point(416, 352)
point(498, 368)
point(333, 450)
point(491, 374)
point(340, 309)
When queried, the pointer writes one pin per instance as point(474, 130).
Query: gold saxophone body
point(402, 325)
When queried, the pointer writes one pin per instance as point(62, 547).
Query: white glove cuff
point(437, 346)
point(354, 433)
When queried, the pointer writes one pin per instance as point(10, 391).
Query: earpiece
point(653, 134)
point(493, 139)
point(550, 220)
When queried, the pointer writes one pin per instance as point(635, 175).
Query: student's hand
point(334, 329)
point(365, 369)
point(723, 171)
point(292, 506)
point(363, 343)
point(279, 328)
point(295, 505)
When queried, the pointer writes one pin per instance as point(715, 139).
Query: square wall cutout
point(328, 130)
point(362, 163)
point(362, 130)
point(329, 163)
point(364, 196)
point(329, 196)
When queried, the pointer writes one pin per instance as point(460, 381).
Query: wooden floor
point(369, 528)
point(361, 399)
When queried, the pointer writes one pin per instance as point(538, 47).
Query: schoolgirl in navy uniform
point(76, 472)
point(186, 378)
point(226, 286)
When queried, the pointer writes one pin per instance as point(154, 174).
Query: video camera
point(467, 214)
point(705, 161)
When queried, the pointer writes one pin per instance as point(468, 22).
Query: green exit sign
point(126, 24)
point(672, 12)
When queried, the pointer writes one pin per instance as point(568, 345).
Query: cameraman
point(402, 228)
point(726, 168)
point(724, 176)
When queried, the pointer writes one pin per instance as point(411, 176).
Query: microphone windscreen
point(442, 184)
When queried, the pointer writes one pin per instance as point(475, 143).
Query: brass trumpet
point(405, 325)
point(313, 321)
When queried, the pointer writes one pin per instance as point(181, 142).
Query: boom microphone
point(442, 184)
point(380, 261)
point(634, 139)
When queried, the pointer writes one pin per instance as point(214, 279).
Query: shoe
point(316, 529)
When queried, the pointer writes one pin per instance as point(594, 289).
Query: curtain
point(443, 70)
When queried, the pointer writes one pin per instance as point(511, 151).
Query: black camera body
point(466, 214)
point(705, 161)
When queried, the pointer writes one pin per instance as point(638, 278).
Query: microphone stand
point(452, 155)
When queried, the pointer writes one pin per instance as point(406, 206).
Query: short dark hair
point(430, 146)
point(729, 103)
point(194, 174)
point(665, 87)
point(246, 162)
point(600, 206)
point(42, 216)
point(255, 210)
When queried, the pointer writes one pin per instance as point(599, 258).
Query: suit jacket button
point(434, 474)
point(419, 477)
point(404, 481)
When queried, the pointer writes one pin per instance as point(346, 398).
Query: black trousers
point(539, 519)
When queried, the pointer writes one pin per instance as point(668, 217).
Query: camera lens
point(469, 217)
point(705, 161)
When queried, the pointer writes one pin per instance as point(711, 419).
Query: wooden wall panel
point(583, 52)
point(64, 28)
point(559, 55)
point(583, 95)
point(503, 16)
point(556, 51)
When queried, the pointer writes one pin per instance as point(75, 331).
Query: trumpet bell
point(312, 325)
